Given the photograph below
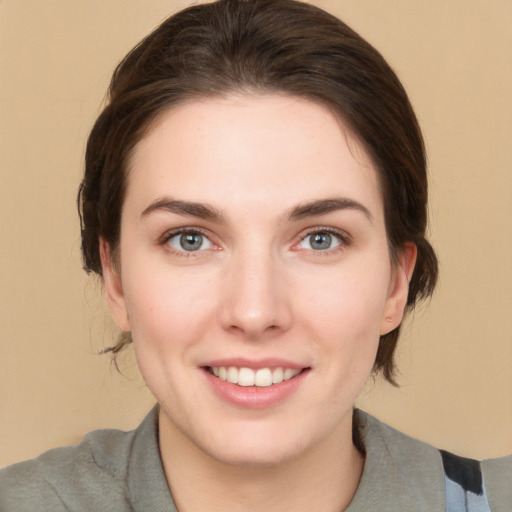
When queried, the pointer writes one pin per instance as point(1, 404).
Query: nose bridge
point(256, 300)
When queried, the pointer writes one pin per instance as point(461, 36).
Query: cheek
point(166, 306)
point(346, 308)
point(347, 324)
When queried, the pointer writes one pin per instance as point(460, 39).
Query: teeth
point(246, 377)
point(288, 374)
point(232, 375)
point(277, 376)
point(263, 378)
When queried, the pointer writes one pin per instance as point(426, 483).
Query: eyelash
point(343, 238)
point(169, 235)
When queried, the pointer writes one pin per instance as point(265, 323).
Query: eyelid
point(171, 233)
point(181, 231)
point(344, 238)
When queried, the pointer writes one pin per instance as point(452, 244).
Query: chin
point(257, 447)
point(254, 457)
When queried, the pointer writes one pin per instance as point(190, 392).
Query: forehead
point(266, 150)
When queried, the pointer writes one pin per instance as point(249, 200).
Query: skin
point(257, 288)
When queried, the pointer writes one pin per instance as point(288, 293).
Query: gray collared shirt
point(111, 470)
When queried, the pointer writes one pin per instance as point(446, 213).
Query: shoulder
point(418, 476)
point(497, 475)
point(379, 435)
point(63, 478)
point(82, 477)
point(400, 473)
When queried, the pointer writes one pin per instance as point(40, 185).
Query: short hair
point(263, 46)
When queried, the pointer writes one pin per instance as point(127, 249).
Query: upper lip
point(254, 364)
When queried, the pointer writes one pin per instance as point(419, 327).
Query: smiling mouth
point(246, 377)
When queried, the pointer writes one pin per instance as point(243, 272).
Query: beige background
point(454, 57)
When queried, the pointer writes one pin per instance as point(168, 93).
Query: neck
point(325, 478)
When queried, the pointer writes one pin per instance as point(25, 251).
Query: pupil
point(191, 241)
point(321, 241)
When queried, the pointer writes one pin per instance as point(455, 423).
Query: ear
point(399, 288)
point(113, 287)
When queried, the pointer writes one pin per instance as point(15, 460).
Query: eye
point(190, 241)
point(321, 241)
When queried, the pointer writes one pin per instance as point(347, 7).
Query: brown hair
point(263, 46)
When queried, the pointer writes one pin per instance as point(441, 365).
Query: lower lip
point(253, 397)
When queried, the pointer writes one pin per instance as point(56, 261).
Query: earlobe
point(113, 287)
point(399, 288)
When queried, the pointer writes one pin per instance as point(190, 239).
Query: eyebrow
point(324, 206)
point(199, 210)
point(301, 211)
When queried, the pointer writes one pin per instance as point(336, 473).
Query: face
point(254, 274)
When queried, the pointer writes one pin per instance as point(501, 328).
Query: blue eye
point(320, 241)
point(189, 242)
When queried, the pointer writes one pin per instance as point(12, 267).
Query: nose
point(256, 296)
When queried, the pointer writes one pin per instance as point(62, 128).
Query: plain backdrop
point(56, 57)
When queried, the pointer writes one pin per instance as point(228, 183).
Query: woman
point(255, 202)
